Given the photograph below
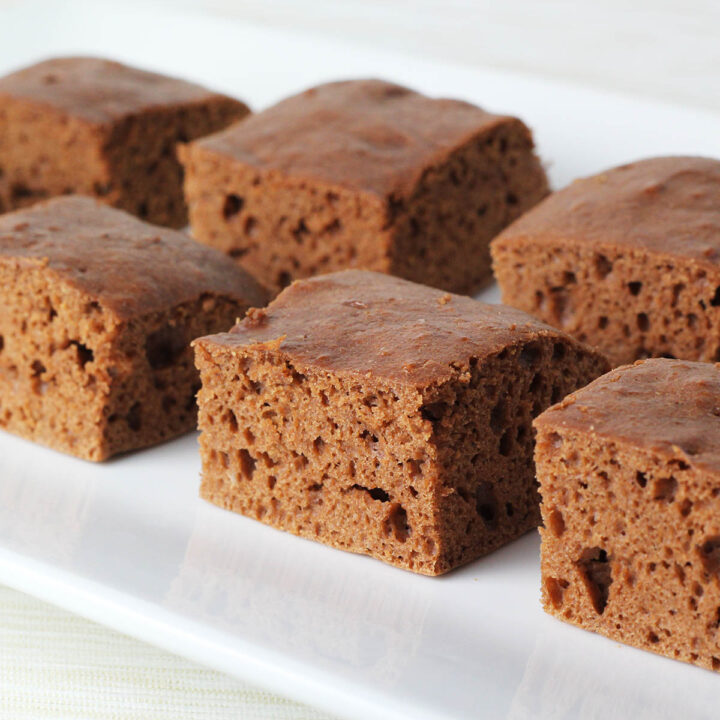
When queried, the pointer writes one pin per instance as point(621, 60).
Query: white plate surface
point(129, 544)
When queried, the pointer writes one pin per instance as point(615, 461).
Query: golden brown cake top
point(129, 266)
point(98, 90)
point(382, 327)
point(668, 407)
point(666, 205)
point(368, 135)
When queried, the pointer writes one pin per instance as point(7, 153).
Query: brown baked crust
point(626, 260)
point(629, 476)
point(363, 174)
point(99, 309)
point(366, 323)
point(382, 417)
point(131, 267)
point(366, 135)
point(96, 127)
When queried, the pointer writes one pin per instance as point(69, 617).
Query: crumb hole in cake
point(539, 299)
point(556, 523)
point(37, 368)
point(505, 446)
point(412, 491)
point(555, 441)
point(716, 298)
point(530, 355)
point(643, 322)
point(698, 589)
point(602, 322)
point(556, 395)
point(555, 589)
point(231, 420)
point(142, 209)
point(164, 346)
point(653, 638)
point(686, 507)
point(283, 279)
point(603, 266)
point(434, 411)
point(375, 493)
point(715, 663)
point(232, 206)
point(641, 479)
point(559, 351)
point(536, 384)
point(665, 489)
point(396, 523)
point(271, 482)
point(247, 463)
point(499, 416)
point(511, 198)
point(635, 287)
point(84, 354)
point(595, 570)
point(251, 226)
point(318, 444)
point(134, 417)
point(710, 555)
point(486, 504)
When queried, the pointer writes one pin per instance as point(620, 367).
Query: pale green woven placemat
point(56, 665)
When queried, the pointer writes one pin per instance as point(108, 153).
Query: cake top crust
point(367, 135)
point(668, 407)
point(98, 90)
point(377, 326)
point(129, 266)
point(665, 205)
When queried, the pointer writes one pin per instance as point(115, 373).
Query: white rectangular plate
point(129, 544)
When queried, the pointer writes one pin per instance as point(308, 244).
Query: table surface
point(56, 665)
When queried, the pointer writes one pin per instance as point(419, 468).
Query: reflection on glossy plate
point(129, 544)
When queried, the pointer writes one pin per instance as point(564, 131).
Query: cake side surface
point(629, 480)
point(405, 409)
point(625, 260)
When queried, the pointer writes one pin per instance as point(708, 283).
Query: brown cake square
point(98, 310)
point(627, 260)
point(629, 471)
point(383, 417)
point(363, 174)
point(94, 127)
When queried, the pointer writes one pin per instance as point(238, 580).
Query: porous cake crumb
point(629, 471)
point(627, 261)
point(98, 310)
point(360, 411)
point(363, 174)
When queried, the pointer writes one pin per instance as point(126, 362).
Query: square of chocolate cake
point(627, 260)
point(98, 311)
point(629, 471)
point(94, 127)
point(383, 417)
point(363, 174)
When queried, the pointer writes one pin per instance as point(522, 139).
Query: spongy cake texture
point(383, 417)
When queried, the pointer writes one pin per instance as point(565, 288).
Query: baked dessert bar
point(363, 174)
point(627, 260)
point(629, 472)
point(95, 127)
point(98, 310)
point(383, 417)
